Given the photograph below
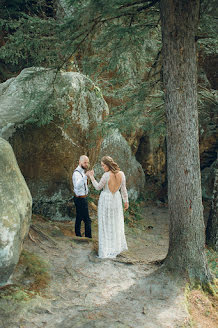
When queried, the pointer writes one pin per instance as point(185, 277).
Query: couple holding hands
point(111, 236)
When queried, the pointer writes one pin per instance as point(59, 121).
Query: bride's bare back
point(114, 182)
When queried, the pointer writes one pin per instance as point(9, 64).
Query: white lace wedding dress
point(111, 237)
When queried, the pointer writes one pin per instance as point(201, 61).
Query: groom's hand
point(87, 174)
point(91, 173)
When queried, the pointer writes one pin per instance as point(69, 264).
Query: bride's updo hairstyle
point(113, 166)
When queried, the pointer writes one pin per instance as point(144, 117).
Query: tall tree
point(187, 231)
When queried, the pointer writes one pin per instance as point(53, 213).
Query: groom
point(80, 198)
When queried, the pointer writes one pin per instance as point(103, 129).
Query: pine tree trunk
point(212, 224)
point(187, 231)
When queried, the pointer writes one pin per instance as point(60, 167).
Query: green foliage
point(207, 105)
point(41, 45)
point(34, 264)
point(13, 9)
point(121, 47)
point(207, 30)
point(44, 113)
point(36, 269)
point(116, 43)
point(212, 261)
point(134, 213)
point(15, 293)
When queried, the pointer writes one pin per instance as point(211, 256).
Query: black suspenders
point(84, 182)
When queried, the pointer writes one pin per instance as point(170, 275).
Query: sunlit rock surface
point(15, 211)
point(48, 154)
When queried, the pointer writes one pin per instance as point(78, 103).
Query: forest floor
point(61, 283)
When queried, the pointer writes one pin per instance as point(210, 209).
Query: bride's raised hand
point(91, 174)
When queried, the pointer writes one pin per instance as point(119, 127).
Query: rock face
point(48, 154)
point(152, 157)
point(15, 211)
point(116, 146)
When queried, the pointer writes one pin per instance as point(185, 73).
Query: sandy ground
point(84, 291)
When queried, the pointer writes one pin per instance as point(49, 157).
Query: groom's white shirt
point(80, 182)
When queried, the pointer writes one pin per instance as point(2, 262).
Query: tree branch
point(99, 20)
point(139, 2)
point(132, 13)
point(154, 64)
point(148, 6)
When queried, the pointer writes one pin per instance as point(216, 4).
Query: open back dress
point(111, 236)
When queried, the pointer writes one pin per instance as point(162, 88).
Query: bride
point(111, 237)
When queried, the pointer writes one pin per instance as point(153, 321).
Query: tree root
point(42, 234)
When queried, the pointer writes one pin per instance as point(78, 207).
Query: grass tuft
point(35, 272)
point(36, 269)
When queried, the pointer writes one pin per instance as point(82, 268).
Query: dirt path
point(85, 291)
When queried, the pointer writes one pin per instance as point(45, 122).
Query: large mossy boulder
point(48, 118)
point(15, 211)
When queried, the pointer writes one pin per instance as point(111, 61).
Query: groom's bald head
point(84, 162)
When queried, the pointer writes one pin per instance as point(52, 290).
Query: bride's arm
point(102, 182)
point(124, 192)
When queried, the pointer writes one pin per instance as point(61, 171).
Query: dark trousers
point(82, 213)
